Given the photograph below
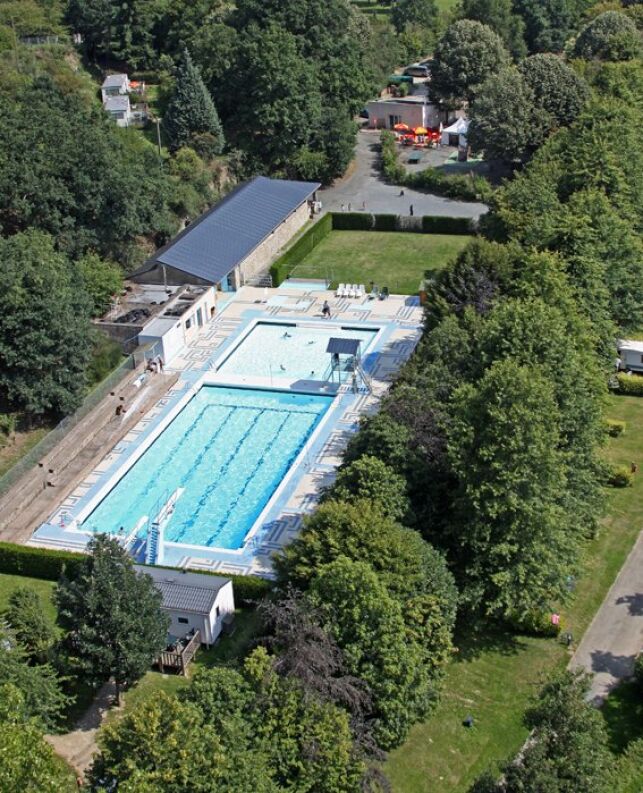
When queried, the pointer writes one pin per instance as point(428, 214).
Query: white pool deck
point(398, 319)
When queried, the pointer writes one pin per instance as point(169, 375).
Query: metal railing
point(43, 447)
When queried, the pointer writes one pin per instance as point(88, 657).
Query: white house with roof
point(630, 352)
point(193, 601)
point(119, 108)
point(115, 85)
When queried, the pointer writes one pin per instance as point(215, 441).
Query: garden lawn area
point(493, 676)
point(389, 258)
point(9, 583)
point(21, 444)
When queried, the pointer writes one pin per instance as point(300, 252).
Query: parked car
point(417, 70)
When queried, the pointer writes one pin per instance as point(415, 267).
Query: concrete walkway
point(364, 184)
point(78, 747)
point(615, 636)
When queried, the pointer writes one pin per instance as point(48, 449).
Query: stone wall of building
point(259, 261)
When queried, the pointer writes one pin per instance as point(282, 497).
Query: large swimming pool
point(275, 350)
point(228, 450)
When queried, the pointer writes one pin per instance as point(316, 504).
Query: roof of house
point(226, 234)
point(183, 591)
point(116, 104)
point(114, 81)
point(630, 345)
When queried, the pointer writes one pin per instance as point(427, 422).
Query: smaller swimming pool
point(296, 352)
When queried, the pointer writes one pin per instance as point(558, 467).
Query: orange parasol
point(401, 127)
point(420, 131)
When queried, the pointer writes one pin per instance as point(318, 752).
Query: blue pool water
point(229, 448)
point(276, 350)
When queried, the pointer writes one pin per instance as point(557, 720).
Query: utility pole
point(158, 137)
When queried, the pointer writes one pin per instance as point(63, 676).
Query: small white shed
point(193, 601)
point(631, 354)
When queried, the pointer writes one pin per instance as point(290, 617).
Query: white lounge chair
point(351, 290)
point(360, 291)
point(340, 290)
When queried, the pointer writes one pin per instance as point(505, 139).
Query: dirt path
point(615, 636)
point(79, 746)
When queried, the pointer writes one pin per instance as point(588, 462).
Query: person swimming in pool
point(286, 335)
point(282, 367)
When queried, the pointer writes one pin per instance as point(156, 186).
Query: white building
point(119, 108)
point(414, 111)
point(193, 601)
point(114, 85)
point(631, 354)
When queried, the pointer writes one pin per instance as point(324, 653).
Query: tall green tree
point(504, 444)
point(405, 13)
point(556, 88)
point(368, 625)
point(102, 281)
point(41, 698)
point(27, 762)
point(504, 124)
point(548, 23)
point(45, 338)
point(467, 54)
point(611, 36)
point(113, 616)
point(31, 625)
point(191, 110)
point(499, 15)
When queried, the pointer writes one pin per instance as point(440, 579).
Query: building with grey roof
point(235, 241)
point(193, 601)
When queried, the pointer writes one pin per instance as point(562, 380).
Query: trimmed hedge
point(445, 225)
point(48, 564)
point(385, 223)
point(281, 268)
point(352, 221)
point(630, 384)
point(466, 187)
point(620, 476)
point(37, 562)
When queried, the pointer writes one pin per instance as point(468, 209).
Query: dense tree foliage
point(112, 615)
point(30, 624)
point(499, 15)
point(612, 36)
point(405, 13)
point(44, 327)
point(567, 749)
point(102, 280)
point(248, 731)
point(191, 111)
point(27, 762)
point(466, 55)
point(557, 90)
point(549, 23)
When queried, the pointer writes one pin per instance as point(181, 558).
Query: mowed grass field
point(493, 676)
point(388, 258)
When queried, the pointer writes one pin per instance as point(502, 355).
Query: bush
point(467, 187)
point(391, 167)
point(630, 384)
point(284, 265)
point(620, 476)
point(385, 222)
point(446, 225)
point(352, 221)
point(534, 623)
point(615, 428)
point(38, 562)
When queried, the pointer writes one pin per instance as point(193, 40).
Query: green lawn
point(8, 583)
point(495, 682)
point(389, 258)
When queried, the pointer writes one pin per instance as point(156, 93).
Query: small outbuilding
point(193, 601)
point(631, 354)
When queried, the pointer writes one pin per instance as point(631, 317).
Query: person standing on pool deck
point(326, 310)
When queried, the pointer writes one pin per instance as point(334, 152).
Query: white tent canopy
point(459, 127)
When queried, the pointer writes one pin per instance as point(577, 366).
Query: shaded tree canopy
point(499, 15)
point(611, 36)
point(466, 55)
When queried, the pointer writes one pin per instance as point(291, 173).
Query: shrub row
point(281, 268)
point(429, 224)
point(48, 564)
point(620, 476)
point(630, 384)
point(37, 562)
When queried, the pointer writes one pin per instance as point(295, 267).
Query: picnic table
point(415, 157)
